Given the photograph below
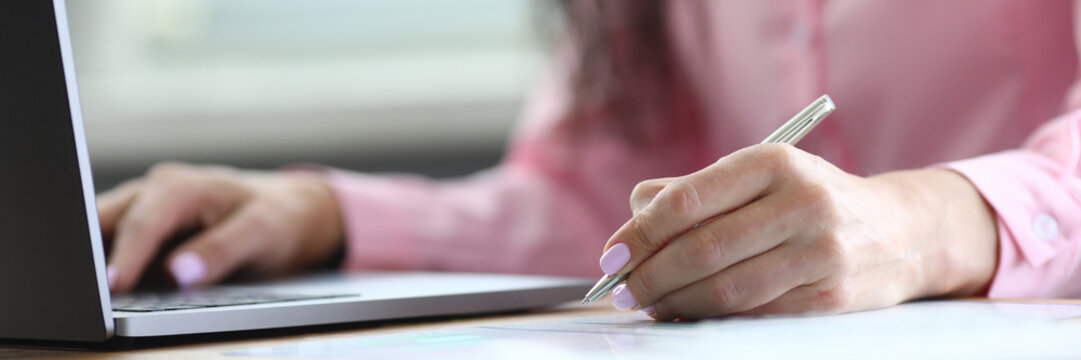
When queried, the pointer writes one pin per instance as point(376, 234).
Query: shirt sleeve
point(547, 208)
point(1036, 194)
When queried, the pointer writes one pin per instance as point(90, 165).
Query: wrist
point(951, 232)
point(323, 224)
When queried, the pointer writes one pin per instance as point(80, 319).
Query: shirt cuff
point(1037, 222)
point(377, 229)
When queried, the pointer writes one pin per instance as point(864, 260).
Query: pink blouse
point(986, 87)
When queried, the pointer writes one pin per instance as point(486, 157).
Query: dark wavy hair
point(625, 77)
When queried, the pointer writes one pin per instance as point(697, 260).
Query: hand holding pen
point(791, 132)
point(772, 229)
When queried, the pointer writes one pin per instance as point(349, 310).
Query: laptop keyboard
point(167, 301)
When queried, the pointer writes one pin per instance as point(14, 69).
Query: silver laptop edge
point(419, 296)
point(96, 243)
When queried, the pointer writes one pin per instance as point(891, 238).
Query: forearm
point(509, 219)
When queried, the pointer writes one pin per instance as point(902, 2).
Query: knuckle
point(779, 158)
point(643, 285)
point(136, 225)
point(832, 299)
point(643, 194)
point(166, 170)
point(708, 248)
point(833, 254)
point(724, 293)
point(685, 198)
point(821, 200)
point(643, 188)
point(829, 247)
point(643, 230)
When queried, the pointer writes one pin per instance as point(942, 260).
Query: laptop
point(52, 262)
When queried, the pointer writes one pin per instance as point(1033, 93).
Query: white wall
point(255, 80)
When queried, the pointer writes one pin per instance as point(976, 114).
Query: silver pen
point(791, 132)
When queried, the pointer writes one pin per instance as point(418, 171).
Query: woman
point(974, 97)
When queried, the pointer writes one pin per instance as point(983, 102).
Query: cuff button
point(1045, 227)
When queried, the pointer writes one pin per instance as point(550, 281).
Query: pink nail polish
point(615, 258)
point(649, 310)
point(622, 298)
point(188, 269)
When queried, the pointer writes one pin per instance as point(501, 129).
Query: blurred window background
point(429, 86)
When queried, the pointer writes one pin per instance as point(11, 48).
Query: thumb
point(216, 252)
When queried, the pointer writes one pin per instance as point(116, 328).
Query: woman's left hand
point(773, 229)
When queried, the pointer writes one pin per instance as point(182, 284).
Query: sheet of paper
point(944, 330)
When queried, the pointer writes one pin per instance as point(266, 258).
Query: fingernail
point(188, 269)
point(649, 310)
point(615, 258)
point(110, 274)
point(622, 298)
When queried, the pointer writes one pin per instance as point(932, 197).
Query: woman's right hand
point(267, 224)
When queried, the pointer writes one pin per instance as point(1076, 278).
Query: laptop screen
point(47, 271)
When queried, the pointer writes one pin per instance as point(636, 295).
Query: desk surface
point(212, 346)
